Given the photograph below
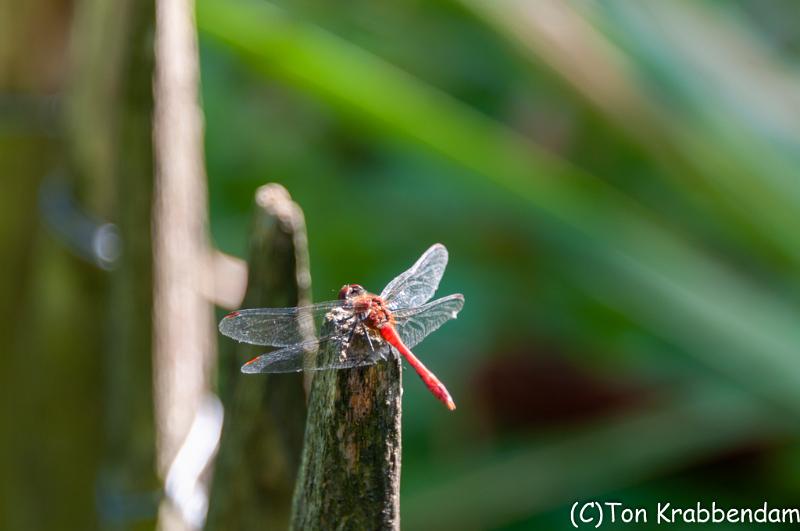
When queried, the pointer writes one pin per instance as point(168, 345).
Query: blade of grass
point(727, 181)
point(731, 105)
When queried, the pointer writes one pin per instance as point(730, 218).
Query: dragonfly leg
point(364, 330)
point(366, 333)
point(352, 333)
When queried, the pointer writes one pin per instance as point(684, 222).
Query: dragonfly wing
point(417, 285)
point(307, 356)
point(292, 358)
point(414, 324)
point(277, 327)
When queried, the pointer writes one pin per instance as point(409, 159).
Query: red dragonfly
point(360, 328)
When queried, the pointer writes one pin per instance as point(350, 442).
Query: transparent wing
point(277, 327)
point(326, 353)
point(414, 324)
point(417, 285)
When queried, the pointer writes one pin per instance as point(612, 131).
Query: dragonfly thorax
point(372, 311)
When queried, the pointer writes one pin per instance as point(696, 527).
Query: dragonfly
point(356, 330)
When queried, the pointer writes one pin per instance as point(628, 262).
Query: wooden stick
point(350, 473)
point(265, 414)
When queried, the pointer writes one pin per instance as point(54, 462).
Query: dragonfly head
point(349, 291)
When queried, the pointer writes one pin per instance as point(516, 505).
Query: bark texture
point(264, 414)
point(350, 472)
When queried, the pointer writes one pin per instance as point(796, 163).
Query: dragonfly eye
point(351, 290)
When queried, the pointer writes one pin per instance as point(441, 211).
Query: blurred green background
point(617, 183)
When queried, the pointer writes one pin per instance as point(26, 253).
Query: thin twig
point(183, 338)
